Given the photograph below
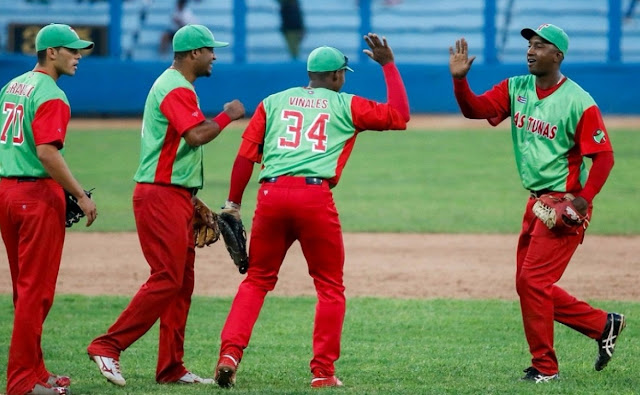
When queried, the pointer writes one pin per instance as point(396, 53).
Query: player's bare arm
point(209, 130)
point(379, 49)
point(459, 60)
point(57, 168)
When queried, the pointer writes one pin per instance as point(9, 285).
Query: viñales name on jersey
point(304, 102)
point(535, 125)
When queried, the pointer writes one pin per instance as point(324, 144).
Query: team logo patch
point(599, 137)
point(521, 99)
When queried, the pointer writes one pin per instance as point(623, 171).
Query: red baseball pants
point(289, 210)
point(32, 215)
point(542, 257)
point(164, 216)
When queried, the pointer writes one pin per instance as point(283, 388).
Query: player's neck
point(186, 72)
point(50, 71)
point(549, 80)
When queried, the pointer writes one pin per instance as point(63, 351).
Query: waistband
point(537, 194)
point(192, 191)
point(307, 180)
point(25, 179)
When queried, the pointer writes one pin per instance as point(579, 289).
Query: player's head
point(326, 67)
point(548, 44)
point(59, 45)
point(196, 44)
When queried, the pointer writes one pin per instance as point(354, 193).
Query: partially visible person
point(33, 176)
point(292, 25)
point(555, 125)
point(303, 137)
point(170, 173)
point(180, 17)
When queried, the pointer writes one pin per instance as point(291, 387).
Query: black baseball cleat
point(607, 343)
point(532, 374)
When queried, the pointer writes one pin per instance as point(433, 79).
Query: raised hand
point(459, 60)
point(379, 49)
point(234, 109)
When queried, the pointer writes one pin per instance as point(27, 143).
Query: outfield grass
point(412, 181)
point(389, 347)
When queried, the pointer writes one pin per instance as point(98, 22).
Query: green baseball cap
point(190, 37)
point(327, 59)
point(551, 33)
point(59, 35)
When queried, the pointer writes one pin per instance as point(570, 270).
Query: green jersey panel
point(543, 132)
point(179, 163)
point(306, 132)
point(19, 103)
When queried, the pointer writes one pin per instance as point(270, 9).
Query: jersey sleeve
point(371, 115)
point(50, 122)
point(180, 107)
point(253, 136)
point(493, 105)
point(591, 134)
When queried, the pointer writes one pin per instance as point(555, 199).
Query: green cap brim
point(218, 44)
point(79, 44)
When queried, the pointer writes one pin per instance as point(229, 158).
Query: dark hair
point(42, 56)
point(320, 75)
point(181, 55)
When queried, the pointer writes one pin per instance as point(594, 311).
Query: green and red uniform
point(553, 131)
point(303, 137)
point(169, 173)
point(33, 111)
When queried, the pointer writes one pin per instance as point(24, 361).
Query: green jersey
point(171, 109)
point(306, 132)
point(544, 133)
point(34, 110)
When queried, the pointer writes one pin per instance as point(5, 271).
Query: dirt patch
point(383, 265)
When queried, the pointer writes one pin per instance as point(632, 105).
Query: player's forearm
point(207, 130)
point(57, 168)
point(471, 105)
point(396, 91)
point(598, 174)
point(240, 176)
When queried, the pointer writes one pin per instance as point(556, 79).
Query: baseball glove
point(557, 212)
point(205, 225)
point(73, 210)
point(235, 238)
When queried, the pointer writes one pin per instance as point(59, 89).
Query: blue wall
point(108, 87)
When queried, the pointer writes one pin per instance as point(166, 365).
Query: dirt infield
point(385, 265)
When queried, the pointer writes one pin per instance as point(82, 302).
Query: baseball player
point(168, 177)
point(34, 113)
point(303, 136)
point(555, 124)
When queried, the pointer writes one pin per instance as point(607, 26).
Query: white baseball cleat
point(110, 368)
point(190, 378)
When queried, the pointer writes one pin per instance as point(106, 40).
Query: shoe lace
point(116, 365)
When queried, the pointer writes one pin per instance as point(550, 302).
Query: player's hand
point(234, 109)
point(580, 204)
point(88, 206)
point(379, 49)
point(459, 60)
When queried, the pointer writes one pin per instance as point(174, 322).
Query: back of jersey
point(307, 131)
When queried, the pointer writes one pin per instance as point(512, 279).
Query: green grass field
point(415, 181)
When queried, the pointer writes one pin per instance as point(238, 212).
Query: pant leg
point(173, 323)
point(33, 231)
point(162, 214)
point(271, 236)
point(320, 235)
point(542, 258)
